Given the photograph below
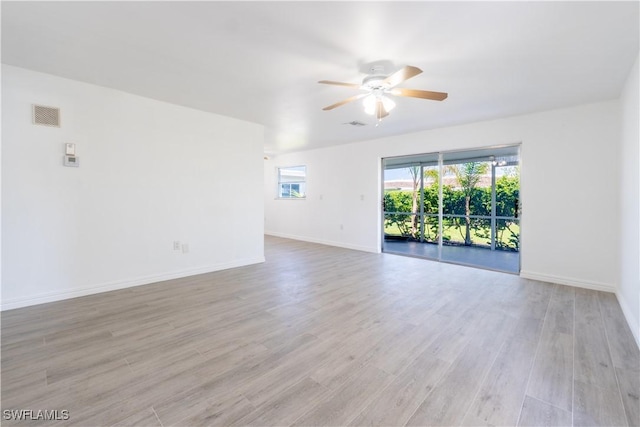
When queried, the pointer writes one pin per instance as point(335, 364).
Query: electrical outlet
point(185, 248)
point(176, 245)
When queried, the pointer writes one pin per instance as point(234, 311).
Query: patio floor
point(466, 255)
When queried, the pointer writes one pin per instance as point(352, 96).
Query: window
point(291, 182)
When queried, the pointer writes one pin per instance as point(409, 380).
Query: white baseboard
point(374, 250)
point(569, 281)
point(121, 284)
point(634, 324)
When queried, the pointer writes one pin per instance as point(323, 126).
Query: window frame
point(280, 183)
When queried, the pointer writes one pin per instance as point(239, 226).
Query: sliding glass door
point(410, 199)
point(460, 207)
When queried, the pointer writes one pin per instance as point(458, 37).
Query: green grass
point(456, 235)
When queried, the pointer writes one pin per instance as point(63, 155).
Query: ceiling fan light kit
point(371, 102)
point(376, 102)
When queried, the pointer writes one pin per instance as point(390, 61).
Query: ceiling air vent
point(46, 116)
point(355, 123)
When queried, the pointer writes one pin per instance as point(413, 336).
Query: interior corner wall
point(629, 168)
point(569, 195)
point(150, 174)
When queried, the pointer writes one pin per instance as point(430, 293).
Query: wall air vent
point(355, 123)
point(46, 116)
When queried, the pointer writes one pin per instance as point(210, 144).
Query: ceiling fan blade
point(346, 101)
point(401, 75)
point(380, 111)
point(424, 94)
point(329, 82)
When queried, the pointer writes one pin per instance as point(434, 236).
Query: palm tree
point(415, 177)
point(468, 176)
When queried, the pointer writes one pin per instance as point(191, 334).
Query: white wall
point(569, 194)
point(150, 173)
point(629, 289)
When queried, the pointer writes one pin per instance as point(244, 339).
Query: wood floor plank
point(124, 395)
point(292, 369)
point(219, 412)
point(552, 375)
point(593, 362)
point(15, 351)
point(596, 406)
point(624, 351)
point(351, 353)
point(537, 300)
point(349, 400)
point(111, 401)
point(396, 357)
point(146, 417)
point(449, 400)
point(560, 314)
point(500, 398)
point(176, 407)
point(162, 360)
point(456, 334)
point(325, 336)
point(98, 367)
point(19, 389)
point(536, 413)
point(416, 312)
point(309, 322)
point(629, 382)
point(287, 406)
point(397, 403)
point(385, 348)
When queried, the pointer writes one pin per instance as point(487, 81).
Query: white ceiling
point(260, 61)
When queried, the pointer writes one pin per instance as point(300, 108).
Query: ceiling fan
point(377, 87)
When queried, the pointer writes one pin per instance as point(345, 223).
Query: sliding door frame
point(441, 165)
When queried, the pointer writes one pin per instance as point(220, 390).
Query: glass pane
point(398, 225)
point(403, 184)
point(454, 231)
point(466, 188)
point(507, 191)
point(292, 190)
point(508, 235)
point(398, 201)
point(430, 225)
point(431, 195)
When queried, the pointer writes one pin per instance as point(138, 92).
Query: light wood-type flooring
point(327, 336)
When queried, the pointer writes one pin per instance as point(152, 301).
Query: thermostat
point(72, 161)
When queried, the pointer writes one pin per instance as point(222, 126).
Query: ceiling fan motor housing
point(374, 82)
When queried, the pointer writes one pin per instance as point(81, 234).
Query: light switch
point(72, 161)
point(70, 149)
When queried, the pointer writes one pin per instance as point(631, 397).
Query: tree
point(414, 171)
point(468, 176)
